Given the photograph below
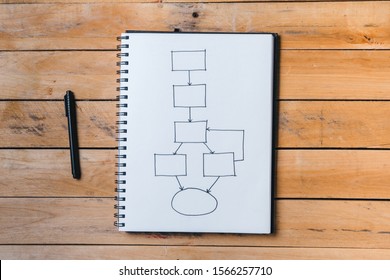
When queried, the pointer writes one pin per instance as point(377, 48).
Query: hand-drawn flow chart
point(218, 161)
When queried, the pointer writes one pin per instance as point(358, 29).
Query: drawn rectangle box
point(170, 165)
point(227, 141)
point(191, 132)
point(193, 60)
point(189, 96)
point(218, 165)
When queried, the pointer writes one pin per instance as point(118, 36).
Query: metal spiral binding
point(120, 130)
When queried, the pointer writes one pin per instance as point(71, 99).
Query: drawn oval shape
point(194, 202)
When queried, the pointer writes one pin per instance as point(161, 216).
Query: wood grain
point(342, 74)
point(47, 75)
point(301, 124)
point(350, 25)
point(305, 74)
point(300, 174)
point(83, 1)
point(147, 1)
point(125, 252)
point(299, 223)
point(43, 124)
point(238, 1)
point(47, 173)
point(337, 50)
point(334, 124)
point(333, 174)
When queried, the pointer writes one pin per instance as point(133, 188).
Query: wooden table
point(333, 186)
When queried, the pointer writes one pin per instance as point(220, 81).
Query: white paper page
point(199, 132)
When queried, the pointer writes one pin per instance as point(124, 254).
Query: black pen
point(70, 112)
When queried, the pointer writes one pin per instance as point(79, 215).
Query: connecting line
point(175, 152)
point(189, 114)
point(189, 77)
point(233, 130)
point(181, 187)
point(209, 190)
point(212, 152)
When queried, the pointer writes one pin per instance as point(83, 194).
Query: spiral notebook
point(196, 124)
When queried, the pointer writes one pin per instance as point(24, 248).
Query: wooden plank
point(47, 173)
point(301, 124)
point(61, 252)
point(47, 75)
point(334, 124)
point(43, 124)
point(148, 1)
point(299, 223)
point(82, 1)
point(335, 75)
point(300, 174)
point(304, 74)
point(352, 25)
point(239, 1)
point(333, 174)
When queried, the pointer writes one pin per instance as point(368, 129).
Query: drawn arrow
point(175, 152)
point(189, 114)
point(181, 187)
point(211, 152)
point(209, 190)
point(189, 78)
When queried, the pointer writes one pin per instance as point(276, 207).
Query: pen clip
point(66, 104)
